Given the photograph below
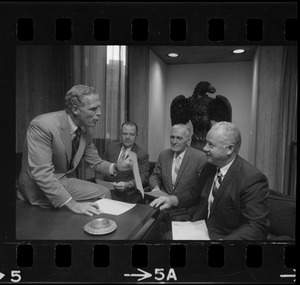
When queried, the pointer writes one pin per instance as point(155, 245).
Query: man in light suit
point(116, 151)
point(233, 193)
point(177, 169)
point(51, 155)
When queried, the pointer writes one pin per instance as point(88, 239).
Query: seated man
point(55, 143)
point(177, 169)
point(233, 193)
point(116, 152)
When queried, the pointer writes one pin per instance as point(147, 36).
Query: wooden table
point(36, 223)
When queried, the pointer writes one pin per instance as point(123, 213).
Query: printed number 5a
point(161, 274)
point(15, 276)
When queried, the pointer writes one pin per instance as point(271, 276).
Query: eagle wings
point(201, 110)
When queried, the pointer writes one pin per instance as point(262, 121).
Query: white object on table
point(190, 230)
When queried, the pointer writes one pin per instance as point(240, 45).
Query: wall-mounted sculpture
point(201, 110)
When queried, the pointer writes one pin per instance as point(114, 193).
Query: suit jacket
point(188, 174)
point(47, 156)
point(240, 208)
point(112, 153)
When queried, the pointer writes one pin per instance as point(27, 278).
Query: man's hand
point(124, 165)
point(122, 185)
point(86, 208)
point(164, 202)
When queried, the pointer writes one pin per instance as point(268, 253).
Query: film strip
point(134, 24)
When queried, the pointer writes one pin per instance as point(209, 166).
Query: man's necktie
point(176, 169)
point(217, 182)
point(123, 155)
point(75, 142)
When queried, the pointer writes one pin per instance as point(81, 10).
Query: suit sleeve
point(254, 209)
point(41, 166)
point(143, 162)
point(192, 196)
point(92, 157)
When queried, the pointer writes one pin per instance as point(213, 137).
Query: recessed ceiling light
point(239, 50)
point(173, 54)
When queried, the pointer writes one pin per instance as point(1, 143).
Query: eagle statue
point(201, 110)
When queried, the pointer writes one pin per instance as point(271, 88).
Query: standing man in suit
point(233, 193)
point(177, 169)
point(55, 143)
point(116, 152)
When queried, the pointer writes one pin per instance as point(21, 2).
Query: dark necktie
point(75, 142)
point(217, 182)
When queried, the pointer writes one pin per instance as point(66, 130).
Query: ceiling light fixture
point(173, 54)
point(238, 50)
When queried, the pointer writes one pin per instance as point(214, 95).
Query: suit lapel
point(225, 182)
point(182, 166)
point(169, 169)
point(65, 135)
point(81, 147)
point(116, 153)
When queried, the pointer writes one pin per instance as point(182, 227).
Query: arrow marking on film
point(144, 275)
point(1, 275)
point(288, 275)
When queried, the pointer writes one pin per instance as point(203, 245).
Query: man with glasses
point(116, 152)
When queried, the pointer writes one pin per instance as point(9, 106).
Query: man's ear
point(189, 141)
point(75, 110)
point(230, 149)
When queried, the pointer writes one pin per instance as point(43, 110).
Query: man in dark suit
point(231, 193)
point(177, 169)
point(117, 151)
point(55, 143)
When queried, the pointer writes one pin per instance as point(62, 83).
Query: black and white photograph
point(222, 109)
point(148, 142)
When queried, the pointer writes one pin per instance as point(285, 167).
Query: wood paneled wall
point(43, 76)
point(138, 91)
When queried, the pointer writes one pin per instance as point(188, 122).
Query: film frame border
point(275, 16)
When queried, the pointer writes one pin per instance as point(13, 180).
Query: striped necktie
point(75, 142)
point(217, 182)
point(123, 154)
point(176, 169)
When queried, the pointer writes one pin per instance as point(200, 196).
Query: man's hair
point(231, 132)
point(184, 126)
point(130, 123)
point(75, 96)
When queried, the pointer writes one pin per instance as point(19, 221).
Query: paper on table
point(190, 230)
point(136, 173)
point(113, 207)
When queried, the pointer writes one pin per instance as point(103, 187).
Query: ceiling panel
point(203, 54)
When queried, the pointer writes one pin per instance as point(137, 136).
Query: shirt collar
point(72, 125)
point(181, 155)
point(225, 168)
point(127, 149)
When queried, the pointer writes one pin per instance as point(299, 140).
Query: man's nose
point(205, 149)
point(98, 112)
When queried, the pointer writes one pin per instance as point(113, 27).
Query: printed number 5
point(15, 274)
